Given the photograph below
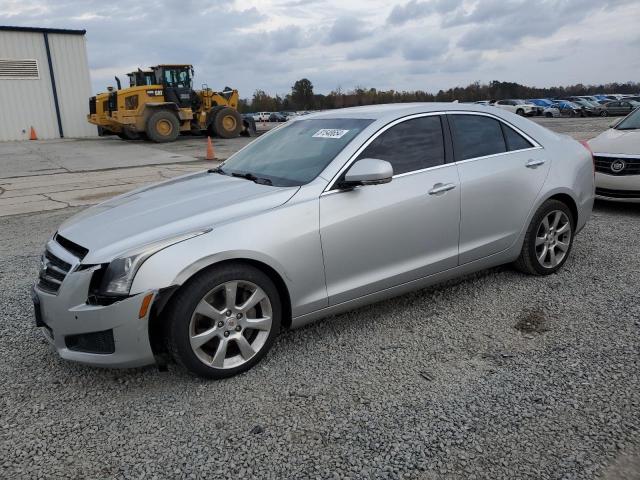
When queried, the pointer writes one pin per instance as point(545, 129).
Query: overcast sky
point(417, 44)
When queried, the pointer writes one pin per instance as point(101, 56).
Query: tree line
point(302, 96)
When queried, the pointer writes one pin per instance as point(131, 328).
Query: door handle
point(534, 163)
point(441, 188)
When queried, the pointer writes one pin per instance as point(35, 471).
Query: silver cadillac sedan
point(326, 213)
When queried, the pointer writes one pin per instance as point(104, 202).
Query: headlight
point(119, 275)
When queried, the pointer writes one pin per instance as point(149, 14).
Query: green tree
point(302, 94)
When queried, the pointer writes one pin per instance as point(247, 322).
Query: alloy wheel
point(230, 324)
point(553, 239)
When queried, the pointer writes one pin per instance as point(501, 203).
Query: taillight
point(593, 158)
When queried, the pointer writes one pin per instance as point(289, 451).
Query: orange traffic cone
point(32, 135)
point(210, 154)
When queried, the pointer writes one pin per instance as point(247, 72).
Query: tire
point(528, 261)
point(604, 113)
point(163, 126)
point(225, 334)
point(227, 123)
point(127, 134)
point(548, 115)
point(520, 112)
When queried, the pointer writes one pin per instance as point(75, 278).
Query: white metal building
point(44, 83)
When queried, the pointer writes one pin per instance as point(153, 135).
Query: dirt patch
point(99, 196)
point(532, 321)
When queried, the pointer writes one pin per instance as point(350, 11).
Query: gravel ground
point(498, 375)
point(494, 376)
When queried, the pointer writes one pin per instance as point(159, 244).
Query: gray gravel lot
point(495, 376)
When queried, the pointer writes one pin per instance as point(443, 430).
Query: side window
point(411, 145)
point(476, 136)
point(515, 141)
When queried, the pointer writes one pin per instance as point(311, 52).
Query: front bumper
point(66, 317)
point(618, 188)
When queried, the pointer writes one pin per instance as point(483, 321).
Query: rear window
point(514, 140)
point(476, 136)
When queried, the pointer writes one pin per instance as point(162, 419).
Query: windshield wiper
point(217, 170)
point(253, 178)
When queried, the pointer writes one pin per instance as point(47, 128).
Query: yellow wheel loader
point(160, 103)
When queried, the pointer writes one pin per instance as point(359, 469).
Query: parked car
point(590, 98)
point(591, 109)
point(568, 109)
point(519, 107)
point(542, 102)
point(617, 158)
point(620, 107)
point(261, 116)
point(329, 212)
point(277, 117)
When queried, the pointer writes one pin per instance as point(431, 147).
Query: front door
point(378, 236)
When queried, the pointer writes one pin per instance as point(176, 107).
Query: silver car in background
point(328, 212)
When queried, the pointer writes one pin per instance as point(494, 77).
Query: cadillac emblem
point(617, 166)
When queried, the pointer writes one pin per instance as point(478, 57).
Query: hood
point(626, 142)
point(168, 209)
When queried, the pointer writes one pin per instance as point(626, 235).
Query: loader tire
point(127, 134)
point(163, 126)
point(227, 123)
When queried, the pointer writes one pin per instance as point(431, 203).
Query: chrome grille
point(58, 259)
point(630, 166)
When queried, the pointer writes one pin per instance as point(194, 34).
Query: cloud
point(400, 44)
point(346, 29)
point(424, 48)
point(503, 24)
point(379, 49)
point(414, 10)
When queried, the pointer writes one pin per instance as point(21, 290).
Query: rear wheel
point(520, 112)
point(548, 240)
point(604, 113)
point(224, 321)
point(163, 126)
point(227, 123)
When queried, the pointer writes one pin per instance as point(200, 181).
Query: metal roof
point(65, 31)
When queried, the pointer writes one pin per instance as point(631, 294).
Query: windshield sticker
point(330, 133)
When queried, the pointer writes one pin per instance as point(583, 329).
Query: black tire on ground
point(227, 123)
point(528, 262)
point(163, 126)
point(520, 112)
point(604, 113)
point(127, 134)
point(184, 303)
point(548, 115)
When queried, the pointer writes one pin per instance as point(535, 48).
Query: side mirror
point(368, 171)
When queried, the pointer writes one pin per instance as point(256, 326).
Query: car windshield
point(631, 122)
point(296, 153)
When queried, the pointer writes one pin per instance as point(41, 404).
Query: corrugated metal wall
point(26, 103)
point(71, 69)
point(29, 102)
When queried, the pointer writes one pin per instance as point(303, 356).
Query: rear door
point(378, 236)
point(501, 174)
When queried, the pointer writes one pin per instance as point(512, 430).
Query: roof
point(64, 31)
point(398, 110)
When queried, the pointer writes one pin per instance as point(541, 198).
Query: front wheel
point(224, 321)
point(520, 112)
point(163, 126)
point(604, 113)
point(548, 240)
